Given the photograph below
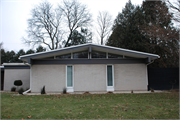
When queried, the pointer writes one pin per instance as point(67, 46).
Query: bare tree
point(104, 21)
point(44, 26)
point(1, 44)
point(76, 15)
point(175, 7)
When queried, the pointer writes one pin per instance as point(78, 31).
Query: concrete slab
point(115, 92)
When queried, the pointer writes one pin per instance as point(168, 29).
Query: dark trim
point(148, 60)
point(29, 60)
point(90, 49)
point(89, 61)
point(2, 69)
point(16, 67)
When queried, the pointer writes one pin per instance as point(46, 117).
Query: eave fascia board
point(13, 64)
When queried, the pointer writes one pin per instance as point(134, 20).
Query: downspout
point(25, 92)
point(150, 62)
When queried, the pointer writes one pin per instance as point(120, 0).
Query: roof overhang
point(90, 47)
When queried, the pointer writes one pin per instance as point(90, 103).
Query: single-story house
point(88, 67)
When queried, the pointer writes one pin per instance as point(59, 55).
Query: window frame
point(70, 89)
point(110, 88)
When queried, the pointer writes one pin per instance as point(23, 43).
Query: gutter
point(25, 92)
point(1, 67)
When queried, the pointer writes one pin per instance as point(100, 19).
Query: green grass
point(96, 106)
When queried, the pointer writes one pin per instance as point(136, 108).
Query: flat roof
point(14, 64)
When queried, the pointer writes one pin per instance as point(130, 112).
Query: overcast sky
point(14, 15)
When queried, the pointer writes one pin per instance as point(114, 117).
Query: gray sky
point(14, 15)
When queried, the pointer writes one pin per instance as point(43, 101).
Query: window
point(97, 54)
point(83, 54)
point(69, 76)
point(109, 75)
point(65, 56)
point(114, 56)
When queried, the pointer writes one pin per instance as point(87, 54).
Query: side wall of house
point(53, 77)
point(130, 77)
point(10, 75)
point(88, 77)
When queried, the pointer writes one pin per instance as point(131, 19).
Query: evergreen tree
point(80, 37)
point(126, 32)
point(3, 56)
point(7, 57)
point(30, 51)
point(40, 49)
point(12, 57)
point(16, 57)
point(147, 28)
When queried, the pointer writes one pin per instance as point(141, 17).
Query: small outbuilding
point(13, 72)
point(88, 67)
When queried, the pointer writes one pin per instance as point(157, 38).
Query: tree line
point(12, 57)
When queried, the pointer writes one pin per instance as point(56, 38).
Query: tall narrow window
point(69, 76)
point(109, 75)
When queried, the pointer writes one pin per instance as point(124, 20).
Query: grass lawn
point(93, 106)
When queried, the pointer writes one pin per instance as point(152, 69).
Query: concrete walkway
point(115, 92)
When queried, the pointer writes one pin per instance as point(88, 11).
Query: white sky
point(15, 13)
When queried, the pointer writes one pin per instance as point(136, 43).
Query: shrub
point(109, 92)
point(18, 83)
point(152, 90)
point(13, 89)
point(20, 91)
point(131, 91)
point(64, 91)
point(43, 90)
point(86, 92)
